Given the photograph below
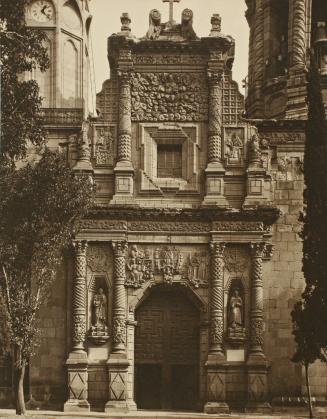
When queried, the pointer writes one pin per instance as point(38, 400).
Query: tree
point(21, 51)
point(310, 313)
point(39, 209)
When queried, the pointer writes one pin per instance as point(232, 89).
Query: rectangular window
point(169, 158)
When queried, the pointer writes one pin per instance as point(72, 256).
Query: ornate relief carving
point(169, 97)
point(119, 331)
point(104, 146)
point(79, 329)
point(167, 263)
point(98, 258)
point(154, 24)
point(257, 332)
point(139, 267)
point(236, 260)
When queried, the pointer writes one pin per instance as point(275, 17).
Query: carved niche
point(234, 146)
point(166, 264)
point(169, 97)
point(98, 332)
point(236, 313)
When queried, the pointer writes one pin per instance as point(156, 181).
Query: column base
point(258, 407)
point(124, 406)
point(216, 407)
point(74, 405)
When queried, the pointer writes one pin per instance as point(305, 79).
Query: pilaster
point(215, 170)
point(216, 365)
point(118, 363)
point(77, 360)
point(257, 365)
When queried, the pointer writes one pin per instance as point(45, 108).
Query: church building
point(179, 286)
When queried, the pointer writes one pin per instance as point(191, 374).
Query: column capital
point(214, 77)
point(217, 249)
point(80, 246)
point(120, 248)
point(258, 249)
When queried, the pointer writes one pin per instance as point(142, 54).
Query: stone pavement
point(32, 414)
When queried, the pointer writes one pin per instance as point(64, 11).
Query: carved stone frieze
point(98, 257)
point(169, 97)
point(277, 138)
point(170, 59)
point(187, 227)
point(237, 226)
point(89, 224)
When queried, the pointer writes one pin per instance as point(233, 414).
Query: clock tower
point(65, 87)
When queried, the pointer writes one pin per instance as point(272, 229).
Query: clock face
point(42, 11)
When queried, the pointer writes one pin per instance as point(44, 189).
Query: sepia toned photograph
point(163, 209)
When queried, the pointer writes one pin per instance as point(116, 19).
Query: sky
point(106, 20)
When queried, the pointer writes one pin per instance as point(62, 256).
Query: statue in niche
point(234, 145)
point(99, 329)
point(254, 150)
point(235, 309)
point(154, 25)
point(99, 308)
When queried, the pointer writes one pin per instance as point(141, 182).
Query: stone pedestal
point(255, 186)
point(77, 383)
point(216, 385)
point(257, 371)
point(117, 377)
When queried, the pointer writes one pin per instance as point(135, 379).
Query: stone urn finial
point(125, 22)
point(216, 25)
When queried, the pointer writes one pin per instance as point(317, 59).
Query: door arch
point(167, 351)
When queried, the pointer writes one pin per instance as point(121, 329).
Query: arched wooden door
point(167, 351)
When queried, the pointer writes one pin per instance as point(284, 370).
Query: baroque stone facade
point(187, 268)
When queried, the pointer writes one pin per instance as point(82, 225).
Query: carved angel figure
point(154, 24)
point(235, 310)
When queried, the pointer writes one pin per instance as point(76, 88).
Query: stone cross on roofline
point(171, 9)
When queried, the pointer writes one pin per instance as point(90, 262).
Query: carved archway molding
point(144, 292)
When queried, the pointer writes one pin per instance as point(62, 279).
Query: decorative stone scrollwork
point(98, 258)
point(214, 127)
point(236, 260)
point(217, 297)
point(169, 97)
point(79, 295)
point(119, 331)
point(124, 138)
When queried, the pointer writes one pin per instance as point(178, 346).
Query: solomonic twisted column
point(215, 136)
point(256, 315)
point(125, 126)
point(120, 301)
point(79, 296)
point(217, 299)
point(298, 47)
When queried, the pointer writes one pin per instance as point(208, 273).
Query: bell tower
point(281, 32)
point(65, 86)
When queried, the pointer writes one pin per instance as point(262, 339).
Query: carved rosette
point(256, 339)
point(214, 140)
point(217, 298)
point(299, 34)
point(120, 302)
point(79, 295)
point(124, 138)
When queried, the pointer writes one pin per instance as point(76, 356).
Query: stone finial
point(216, 25)
point(125, 22)
point(154, 24)
point(187, 30)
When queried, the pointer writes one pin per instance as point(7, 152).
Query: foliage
point(22, 51)
point(40, 206)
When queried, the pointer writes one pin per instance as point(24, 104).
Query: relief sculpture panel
point(169, 97)
point(166, 264)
